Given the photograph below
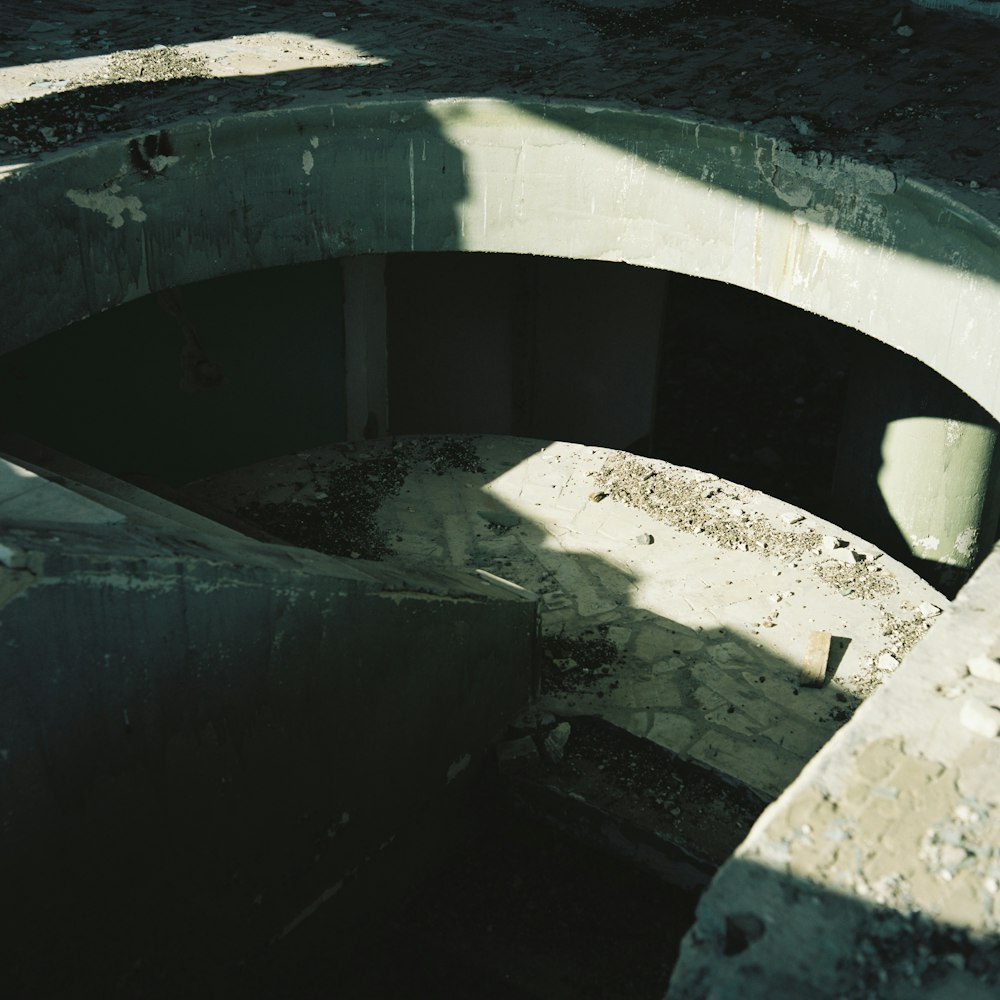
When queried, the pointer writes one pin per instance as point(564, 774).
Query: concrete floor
point(687, 600)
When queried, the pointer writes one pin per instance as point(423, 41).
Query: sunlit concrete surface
point(708, 592)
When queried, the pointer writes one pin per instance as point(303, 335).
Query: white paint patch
point(952, 432)
point(110, 204)
point(928, 544)
point(965, 544)
point(307, 163)
point(314, 142)
point(454, 770)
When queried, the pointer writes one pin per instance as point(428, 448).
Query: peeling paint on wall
point(110, 204)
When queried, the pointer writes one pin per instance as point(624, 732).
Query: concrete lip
point(675, 605)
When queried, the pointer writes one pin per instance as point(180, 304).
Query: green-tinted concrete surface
point(206, 741)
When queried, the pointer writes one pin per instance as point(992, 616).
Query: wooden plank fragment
point(817, 658)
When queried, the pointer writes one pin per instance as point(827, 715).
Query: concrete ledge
point(654, 188)
point(875, 873)
point(216, 742)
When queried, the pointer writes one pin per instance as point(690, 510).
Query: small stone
point(793, 518)
point(929, 610)
point(596, 497)
point(555, 742)
point(533, 718)
point(985, 667)
point(12, 558)
point(831, 542)
point(848, 555)
point(905, 30)
point(981, 718)
point(887, 663)
point(952, 856)
point(644, 539)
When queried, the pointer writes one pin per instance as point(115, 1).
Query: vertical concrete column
point(918, 469)
point(365, 346)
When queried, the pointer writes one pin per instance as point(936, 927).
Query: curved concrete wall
point(906, 263)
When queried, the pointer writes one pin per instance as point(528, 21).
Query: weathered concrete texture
point(205, 741)
point(565, 179)
point(876, 873)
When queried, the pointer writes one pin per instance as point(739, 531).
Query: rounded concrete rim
point(897, 259)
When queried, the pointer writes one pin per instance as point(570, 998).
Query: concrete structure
point(859, 183)
point(206, 738)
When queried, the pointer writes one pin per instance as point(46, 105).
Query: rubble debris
point(555, 742)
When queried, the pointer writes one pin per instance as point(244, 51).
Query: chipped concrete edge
point(876, 871)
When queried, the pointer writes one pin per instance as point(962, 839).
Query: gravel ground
point(892, 83)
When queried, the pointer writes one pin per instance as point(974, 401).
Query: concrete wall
point(913, 264)
point(213, 376)
point(548, 348)
point(908, 263)
point(206, 740)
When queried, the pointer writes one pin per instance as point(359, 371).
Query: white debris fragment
point(887, 663)
point(12, 558)
point(985, 667)
point(793, 518)
point(555, 742)
point(848, 555)
point(831, 542)
point(929, 610)
point(981, 718)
